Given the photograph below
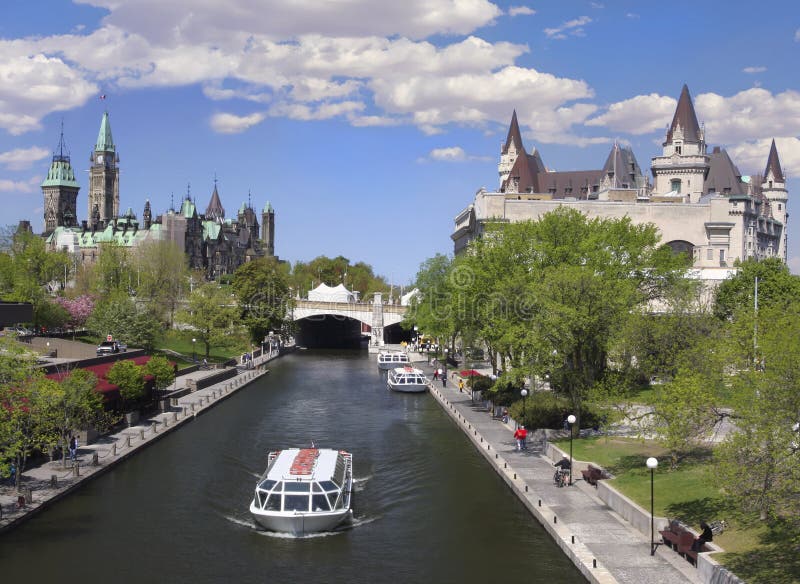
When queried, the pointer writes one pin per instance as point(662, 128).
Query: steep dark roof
point(215, 211)
point(514, 135)
point(723, 174)
point(574, 183)
point(523, 175)
point(621, 165)
point(774, 165)
point(686, 118)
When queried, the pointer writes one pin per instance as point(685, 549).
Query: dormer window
point(677, 148)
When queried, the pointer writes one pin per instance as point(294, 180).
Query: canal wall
point(44, 485)
point(583, 558)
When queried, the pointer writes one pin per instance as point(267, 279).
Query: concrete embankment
point(45, 484)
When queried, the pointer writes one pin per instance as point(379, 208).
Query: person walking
point(521, 435)
point(436, 373)
point(460, 385)
point(73, 447)
point(444, 379)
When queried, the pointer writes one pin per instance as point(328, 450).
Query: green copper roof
point(211, 229)
point(267, 208)
point(187, 208)
point(105, 142)
point(60, 174)
point(242, 208)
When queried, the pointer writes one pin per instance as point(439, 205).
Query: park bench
point(592, 474)
point(681, 539)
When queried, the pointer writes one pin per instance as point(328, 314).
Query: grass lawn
point(757, 551)
point(181, 342)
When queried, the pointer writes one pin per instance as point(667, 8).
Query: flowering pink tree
point(78, 308)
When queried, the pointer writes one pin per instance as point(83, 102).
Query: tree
point(766, 412)
point(213, 315)
point(358, 277)
point(776, 286)
point(113, 272)
point(80, 406)
point(682, 414)
point(262, 293)
point(554, 295)
point(129, 378)
point(161, 370)
point(78, 309)
point(118, 315)
point(433, 310)
point(161, 276)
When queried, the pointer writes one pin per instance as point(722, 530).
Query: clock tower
point(104, 176)
point(60, 190)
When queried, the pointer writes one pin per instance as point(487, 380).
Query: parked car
point(122, 346)
point(108, 348)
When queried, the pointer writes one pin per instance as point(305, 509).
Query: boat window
point(290, 487)
point(274, 502)
point(320, 503)
point(262, 498)
point(267, 484)
point(332, 497)
point(295, 503)
point(329, 485)
point(278, 488)
point(315, 487)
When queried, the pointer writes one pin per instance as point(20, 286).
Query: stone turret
point(104, 175)
point(774, 189)
point(268, 229)
point(60, 191)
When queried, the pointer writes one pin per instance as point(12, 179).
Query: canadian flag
point(103, 96)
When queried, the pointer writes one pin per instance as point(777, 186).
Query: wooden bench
point(592, 474)
point(681, 539)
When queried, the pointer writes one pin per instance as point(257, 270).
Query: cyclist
point(563, 467)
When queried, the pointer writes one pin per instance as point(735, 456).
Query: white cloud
point(34, 85)
point(797, 36)
point(22, 158)
point(751, 114)
point(324, 111)
point(752, 70)
point(191, 20)
point(597, 5)
point(751, 157)
point(451, 154)
point(632, 15)
point(20, 186)
point(226, 123)
point(521, 11)
point(638, 115)
point(569, 28)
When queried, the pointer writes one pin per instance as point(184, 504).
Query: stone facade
point(699, 201)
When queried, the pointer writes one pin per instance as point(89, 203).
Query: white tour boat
point(304, 490)
point(407, 379)
point(392, 359)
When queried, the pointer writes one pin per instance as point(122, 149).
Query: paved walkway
point(605, 547)
point(48, 482)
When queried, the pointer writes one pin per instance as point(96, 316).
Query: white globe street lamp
point(571, 420)
point(652, 463)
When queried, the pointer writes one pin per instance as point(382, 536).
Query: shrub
point(544, 409)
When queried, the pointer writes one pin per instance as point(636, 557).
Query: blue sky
point(367, 124)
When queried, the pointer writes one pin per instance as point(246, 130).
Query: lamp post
point(194, 353)
point(524, 394)
point(652, 463)
point(416, 336)
point(571, 420)
point(444, 369)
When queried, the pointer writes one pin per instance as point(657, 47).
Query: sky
point(369, 125)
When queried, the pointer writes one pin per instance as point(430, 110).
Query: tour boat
point(407, 379)
point(304, 490)
point(392, 359)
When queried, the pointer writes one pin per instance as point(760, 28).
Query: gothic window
point(780, 206)
point(677, 149)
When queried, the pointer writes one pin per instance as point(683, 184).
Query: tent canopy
point(324, 293)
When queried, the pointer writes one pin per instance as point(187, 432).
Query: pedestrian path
point(605, 547)
point(44, 484)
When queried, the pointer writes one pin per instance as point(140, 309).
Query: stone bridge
point(376, 315)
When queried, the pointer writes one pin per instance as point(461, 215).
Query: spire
point(60, 173)
point(774, 165)
point(686, 118)
point(215, 210)
point(105, 143)
point(513, 135)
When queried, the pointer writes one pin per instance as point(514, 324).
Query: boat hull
point(408, 387)
point(300, 523)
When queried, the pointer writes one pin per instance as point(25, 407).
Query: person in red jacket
point(521, 435)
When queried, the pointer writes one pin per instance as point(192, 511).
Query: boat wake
point(240, 521)
point(360, 483)
point(247, 522)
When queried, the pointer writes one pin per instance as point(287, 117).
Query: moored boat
point(407, 379)
point(304, 490)
point(392, 359)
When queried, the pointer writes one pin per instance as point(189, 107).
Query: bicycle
point(561, 477)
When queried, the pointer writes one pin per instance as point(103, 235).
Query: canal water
point(428, 508)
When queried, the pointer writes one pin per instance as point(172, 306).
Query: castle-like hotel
point(700, 202)
point(211, 242)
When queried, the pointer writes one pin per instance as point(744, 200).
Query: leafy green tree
point(129, 377)
point(432, 311)
point(162, 277)
point(212, 313)
point(759, 463)
point(682, 414)
point(358, 277)
point(80, 406)
point(161, 370)
point(118, 315)
point(776, 287)
point(262, 293)
point(113, 272)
